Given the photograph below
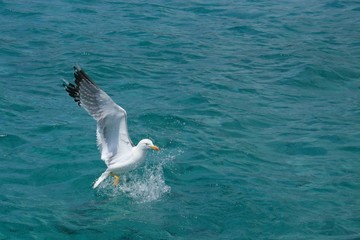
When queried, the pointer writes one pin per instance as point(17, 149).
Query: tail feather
point(101, 178)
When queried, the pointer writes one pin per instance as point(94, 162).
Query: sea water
point(254, 104)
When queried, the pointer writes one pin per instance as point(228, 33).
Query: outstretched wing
point(112, 132)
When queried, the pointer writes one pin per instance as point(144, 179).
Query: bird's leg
point(116, 179)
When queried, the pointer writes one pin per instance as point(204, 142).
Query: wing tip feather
point(74, 89)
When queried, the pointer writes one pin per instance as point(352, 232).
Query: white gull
point(117, 150)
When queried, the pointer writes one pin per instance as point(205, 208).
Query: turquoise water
point(255, 105)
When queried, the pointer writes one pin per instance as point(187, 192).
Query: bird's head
point(147, 144)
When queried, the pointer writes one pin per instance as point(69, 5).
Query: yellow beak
point(155, 148)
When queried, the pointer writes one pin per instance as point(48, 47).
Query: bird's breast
point(128, 163)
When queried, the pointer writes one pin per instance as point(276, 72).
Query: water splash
point(146, 184)
point(146, 187)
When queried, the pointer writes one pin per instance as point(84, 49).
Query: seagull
point(117, 150)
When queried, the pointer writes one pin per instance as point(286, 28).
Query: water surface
point(255, 105)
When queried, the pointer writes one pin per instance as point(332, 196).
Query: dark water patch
point(353, 149)
point(244, 30)
point(299, 148)
point(12, 141)
point(85, 10)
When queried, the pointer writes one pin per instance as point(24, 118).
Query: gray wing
point(112, 132)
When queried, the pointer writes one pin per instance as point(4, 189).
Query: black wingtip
point(72, 90)
point(77, 66)
point(80, 76)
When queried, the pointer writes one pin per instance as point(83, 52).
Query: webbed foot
point(116, 179)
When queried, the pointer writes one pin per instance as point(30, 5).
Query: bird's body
point(117, 150)
point(127, 162)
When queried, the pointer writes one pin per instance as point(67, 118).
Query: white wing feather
point(112, 132)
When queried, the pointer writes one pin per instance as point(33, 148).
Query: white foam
point(146, 184)
point(147, 187)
